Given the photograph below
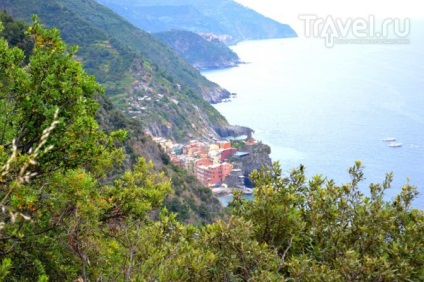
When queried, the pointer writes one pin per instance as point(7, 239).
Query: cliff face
point(215, 95)
point(255, 156)
point(234, 131)
point(258, 157)
point(202, 53)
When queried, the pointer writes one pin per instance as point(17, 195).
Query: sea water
point(325, 108)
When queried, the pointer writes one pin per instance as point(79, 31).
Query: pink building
point(202, 162)
point(176, 161)
point(227, 153)
point(226, 169)
point(213, 174)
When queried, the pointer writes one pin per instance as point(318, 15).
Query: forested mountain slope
point(142, 76)
point(225, 19)
point(63, 219)
point(196, 205)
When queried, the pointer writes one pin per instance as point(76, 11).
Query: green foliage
point(127, 60)
point(165, 250)
point(57, 216)
point(332, 232)
point(238, 144)
point(192, 201)
point(14, 33)
point(4, 268)
point(64, 218)
point(238, 257)
point(59, 151)
point(31, 95)
point(137, 193)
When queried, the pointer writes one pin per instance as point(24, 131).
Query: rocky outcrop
point(218, 64)
point(201, 52)
point(234, 131)
point(215, 94)
point(257, 158)
point(162, 130)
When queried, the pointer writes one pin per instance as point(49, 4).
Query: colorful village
point(215, 165)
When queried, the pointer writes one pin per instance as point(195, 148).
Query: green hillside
point(192, 201)
point(226, 19)
point(201, 53)
point(71, 209)
point(142, 76)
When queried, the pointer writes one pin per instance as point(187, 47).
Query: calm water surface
point(326, 108)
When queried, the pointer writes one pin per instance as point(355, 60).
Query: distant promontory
point(228, 20)
point(202, 52)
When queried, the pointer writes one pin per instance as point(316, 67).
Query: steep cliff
point(133, 65)
point(257, 157)
point(198, 51)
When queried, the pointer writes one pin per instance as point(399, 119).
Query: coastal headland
point(222, 165)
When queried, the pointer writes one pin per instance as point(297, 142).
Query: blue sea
point(325, 108)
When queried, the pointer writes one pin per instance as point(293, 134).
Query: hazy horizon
point(289, 12)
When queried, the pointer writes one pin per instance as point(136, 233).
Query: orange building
point(213, 174)
point(224, 144)
point(226, 169)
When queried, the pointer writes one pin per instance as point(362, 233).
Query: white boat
point(389, 139)
point(395, 144)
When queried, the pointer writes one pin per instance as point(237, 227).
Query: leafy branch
point(10, 179)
